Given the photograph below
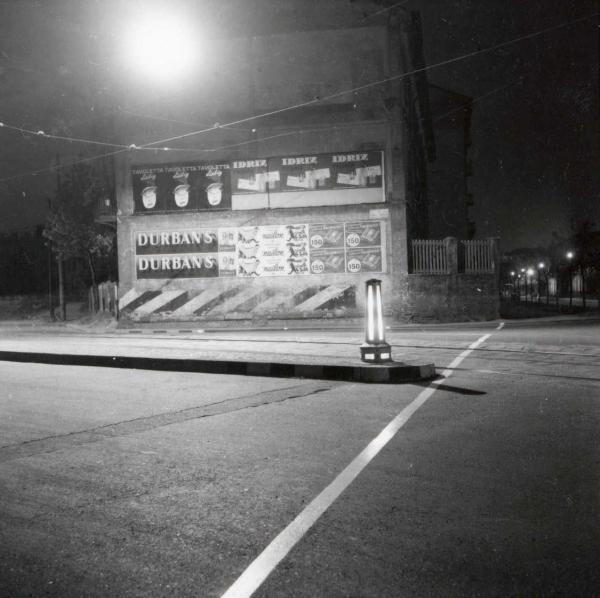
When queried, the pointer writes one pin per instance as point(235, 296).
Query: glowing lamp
point(374, 349)
point(161, 47)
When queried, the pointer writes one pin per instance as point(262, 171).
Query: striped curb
point(385, 373)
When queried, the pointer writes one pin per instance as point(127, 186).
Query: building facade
point(305, 180)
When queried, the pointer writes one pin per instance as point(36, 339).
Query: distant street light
point(541, 268)
point(529, 283)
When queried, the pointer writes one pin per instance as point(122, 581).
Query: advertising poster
point(182, 241)
point(278, 250)
point(367, 259)
point(178, 266)
point(326, 235)
point(349, 170)
point(257, 251)
point(363, 234)
point(180, 188)
point(319, 179)
point(325, 261)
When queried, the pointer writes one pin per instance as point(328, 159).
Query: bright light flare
point(162, 47)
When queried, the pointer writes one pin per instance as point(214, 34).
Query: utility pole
point(59, 257)
point(50, 297)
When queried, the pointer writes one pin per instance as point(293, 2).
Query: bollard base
point(376, 353)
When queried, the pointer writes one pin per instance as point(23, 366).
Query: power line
point(473, 100)
point(41, 133)
point(378, 12)
point(174, 121)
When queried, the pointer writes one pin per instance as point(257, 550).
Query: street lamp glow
point(529, 271)
point(541, 265)
point(161, 47)
point(512, 273)
point(570, 255)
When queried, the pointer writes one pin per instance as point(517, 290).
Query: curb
point(388, 373)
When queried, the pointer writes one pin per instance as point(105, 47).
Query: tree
point(71, 226)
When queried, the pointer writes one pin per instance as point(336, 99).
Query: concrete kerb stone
point(385, 373)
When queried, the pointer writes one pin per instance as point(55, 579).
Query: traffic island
point(322, 368)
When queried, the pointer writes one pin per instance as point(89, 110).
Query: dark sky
point(535, 127)
point(536, 156)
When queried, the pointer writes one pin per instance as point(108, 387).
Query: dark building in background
point(449, 173)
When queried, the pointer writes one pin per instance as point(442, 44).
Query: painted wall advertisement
point(261, 251)
point(291, 181)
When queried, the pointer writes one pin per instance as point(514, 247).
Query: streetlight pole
point(570, 256)
point(529, 275)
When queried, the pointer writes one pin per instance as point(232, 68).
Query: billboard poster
point(181, 241)
point(326, 261)
point(363, 234)
point(278, 250)
point(318, 179)
point(181, 188)
point(367, 259)
point(261, 251)
point(312, 172)
point(326, 235)
point(177, 266)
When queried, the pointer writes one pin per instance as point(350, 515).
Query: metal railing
point(449, 256)
point(478, 257)
point(429, 256)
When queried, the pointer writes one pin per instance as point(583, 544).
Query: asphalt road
point(145, 483)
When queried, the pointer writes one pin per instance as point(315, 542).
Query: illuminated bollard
point(374, 349)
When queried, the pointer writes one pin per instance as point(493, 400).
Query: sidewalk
point(321, 350)
point(333, 355)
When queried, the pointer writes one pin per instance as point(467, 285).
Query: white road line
point(500, 326)
point(265, 563)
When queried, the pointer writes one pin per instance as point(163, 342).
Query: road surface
point(143, 483)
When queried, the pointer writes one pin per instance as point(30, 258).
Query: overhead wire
point(475, 99)
point(316, 100)
point(388, 8)
point(41, 133)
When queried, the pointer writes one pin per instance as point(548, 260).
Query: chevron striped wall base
point(239, 303)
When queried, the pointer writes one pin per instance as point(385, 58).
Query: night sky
point(535, 129)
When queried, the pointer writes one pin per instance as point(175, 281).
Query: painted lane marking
point(266, 562)
point(500, 326)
